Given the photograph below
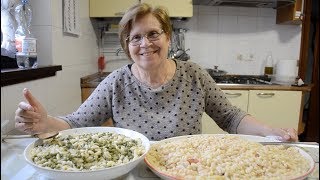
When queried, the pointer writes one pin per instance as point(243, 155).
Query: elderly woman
point(155, 95)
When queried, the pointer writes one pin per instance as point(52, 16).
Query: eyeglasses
point(137, 39)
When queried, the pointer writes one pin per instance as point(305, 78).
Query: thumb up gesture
point(31, 116)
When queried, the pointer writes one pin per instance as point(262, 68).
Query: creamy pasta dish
point(85, 152)
point(225, 157)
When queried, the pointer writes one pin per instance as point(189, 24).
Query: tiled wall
point(222, 35)
point(237, 39)
point(78, 56)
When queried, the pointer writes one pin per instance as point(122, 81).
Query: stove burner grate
point(242, 79)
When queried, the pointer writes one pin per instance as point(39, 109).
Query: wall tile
point(203, 50)
point(227, 49)
point(82, 49)
point(44, 44)
point(190, 24)
point(267, 12)
point(247, 11)
point(196, 10)
point(208, 24)
point(247, 25)
point(266, 23)
point(227, 24)
point(228, 10)
point(241, 31)
point(41, 12)
point(213, 10)
point(57, 14)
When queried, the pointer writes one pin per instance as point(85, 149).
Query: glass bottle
point(26, 44)
point(268, 69)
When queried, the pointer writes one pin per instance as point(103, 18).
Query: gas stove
point(243, 79)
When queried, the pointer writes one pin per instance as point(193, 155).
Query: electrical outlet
point(239, 57)
point(246, 57)
point(251, 56)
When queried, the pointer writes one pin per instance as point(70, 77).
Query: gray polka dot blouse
point(173, 109)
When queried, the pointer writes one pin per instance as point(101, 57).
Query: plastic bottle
point(26, 44)
point(268, 69)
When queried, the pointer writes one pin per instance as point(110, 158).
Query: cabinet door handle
point(265, 94)
point(233, 94)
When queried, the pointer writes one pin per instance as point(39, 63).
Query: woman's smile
point(148, 53)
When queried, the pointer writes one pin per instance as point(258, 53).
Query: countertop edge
point(266, 87)
point(15, 76)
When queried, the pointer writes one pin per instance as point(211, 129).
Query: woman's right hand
point(31, 117)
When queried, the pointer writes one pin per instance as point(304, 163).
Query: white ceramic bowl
point(108, 173)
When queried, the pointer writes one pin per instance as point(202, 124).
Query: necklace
point(153, 84)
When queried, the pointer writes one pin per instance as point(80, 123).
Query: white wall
point(78, 56)
point(218, 35)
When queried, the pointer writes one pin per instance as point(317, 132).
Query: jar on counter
point(268, 68)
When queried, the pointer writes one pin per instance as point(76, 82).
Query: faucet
point(118, 51)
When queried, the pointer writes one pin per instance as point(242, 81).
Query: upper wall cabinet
point(110, 8)
point(176, 8)
point(290, 14)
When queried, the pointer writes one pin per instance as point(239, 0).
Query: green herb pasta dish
point(84, 153)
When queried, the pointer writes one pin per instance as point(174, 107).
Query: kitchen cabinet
point(177, 8)
point(275, 108)
point(237, 98)
point(89, 83)
point(85, 93)
point(290, 14)
point(109, 8)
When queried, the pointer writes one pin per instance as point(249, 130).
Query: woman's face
point(150, 53)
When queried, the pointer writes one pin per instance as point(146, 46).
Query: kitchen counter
point(92, 81)
point(265, 87)
point(14, 167)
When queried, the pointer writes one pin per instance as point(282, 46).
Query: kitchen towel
point(286, 68)
point(71, 17)
point(286, 71)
